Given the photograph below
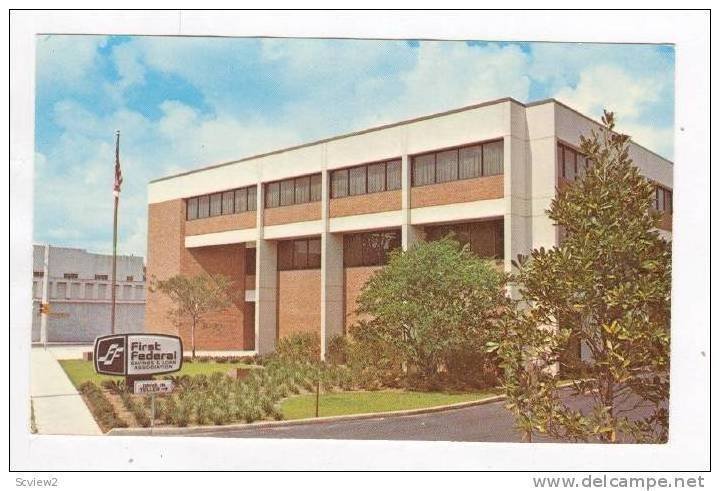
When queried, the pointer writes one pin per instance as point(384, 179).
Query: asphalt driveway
point(482, 423)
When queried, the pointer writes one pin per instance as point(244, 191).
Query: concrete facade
point(78, 291)
point(322, 298)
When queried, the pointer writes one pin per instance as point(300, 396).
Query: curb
point(296, 422)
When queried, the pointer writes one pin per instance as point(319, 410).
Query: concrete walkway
point(59, 408)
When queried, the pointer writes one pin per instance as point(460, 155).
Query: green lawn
point(339, 403)
point(80, 371)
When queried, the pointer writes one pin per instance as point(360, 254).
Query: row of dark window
point(75, 276)
point(486, 238)
point(572, 164)
point(294, 191)
point(663, 201)
point(482, 159)
point(366, 179)
point(223, 203)
point(298, 254)
point(362, 249)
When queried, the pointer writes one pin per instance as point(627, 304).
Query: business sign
point(153, 386)
point(137, 354)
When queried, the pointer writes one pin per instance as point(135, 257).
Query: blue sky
point(183, 102)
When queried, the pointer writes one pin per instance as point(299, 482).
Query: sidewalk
point(59, 408)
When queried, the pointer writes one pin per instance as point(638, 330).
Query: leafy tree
point(608, 285)
point(194, 298)
point(428, 304)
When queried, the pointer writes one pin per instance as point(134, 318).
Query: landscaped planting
point(286, 380)
point(101, 407)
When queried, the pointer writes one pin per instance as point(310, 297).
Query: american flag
point(118, 172)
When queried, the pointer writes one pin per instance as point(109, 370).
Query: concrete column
point(517, 181)
point(332, 296)
point(265, 284)
point(410, 233)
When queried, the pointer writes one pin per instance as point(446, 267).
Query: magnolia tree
point(430, 307)
point(608, 287)
point(194, 298)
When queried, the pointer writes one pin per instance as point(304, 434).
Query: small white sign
point(153, 386)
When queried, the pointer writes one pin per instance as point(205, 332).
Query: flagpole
point(116, 193)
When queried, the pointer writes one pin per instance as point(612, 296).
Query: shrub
point(428, 302)
point(114, 386)
point(180, 416)
point(337, 350)
point(299, 348)
point(101, 407)
point(136, 408)
point(373, 362)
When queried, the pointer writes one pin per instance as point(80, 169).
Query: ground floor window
point(299, 254)
point(370, 248)
point(486, 238)
point(249, 261)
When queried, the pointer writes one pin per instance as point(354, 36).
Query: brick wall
point(167, 256)
point(298, 301)
point(366, 203)
point(479, 188)
point(220, 223)
point(225, 329)
point(355, 279)
point(292, 213)
point(166, 245)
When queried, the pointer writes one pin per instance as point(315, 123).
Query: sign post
point(152, 387)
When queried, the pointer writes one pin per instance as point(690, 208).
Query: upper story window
point(572, 164)
point(294, 191)
point(38, 274)
point(299, 254)
point(129, 278)
point(370, 248)
point(486, 238)
point(224, 203)
point(663, 199)
point(482, 159)
point(61, 290)
point(101, 277)
point(365, 179)
point(70, 276)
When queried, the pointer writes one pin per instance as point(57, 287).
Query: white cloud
point(433, 77)
point(74, 180)
point(449, 75)
point(656, 138)
point(67, 60)
point(610, 87)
